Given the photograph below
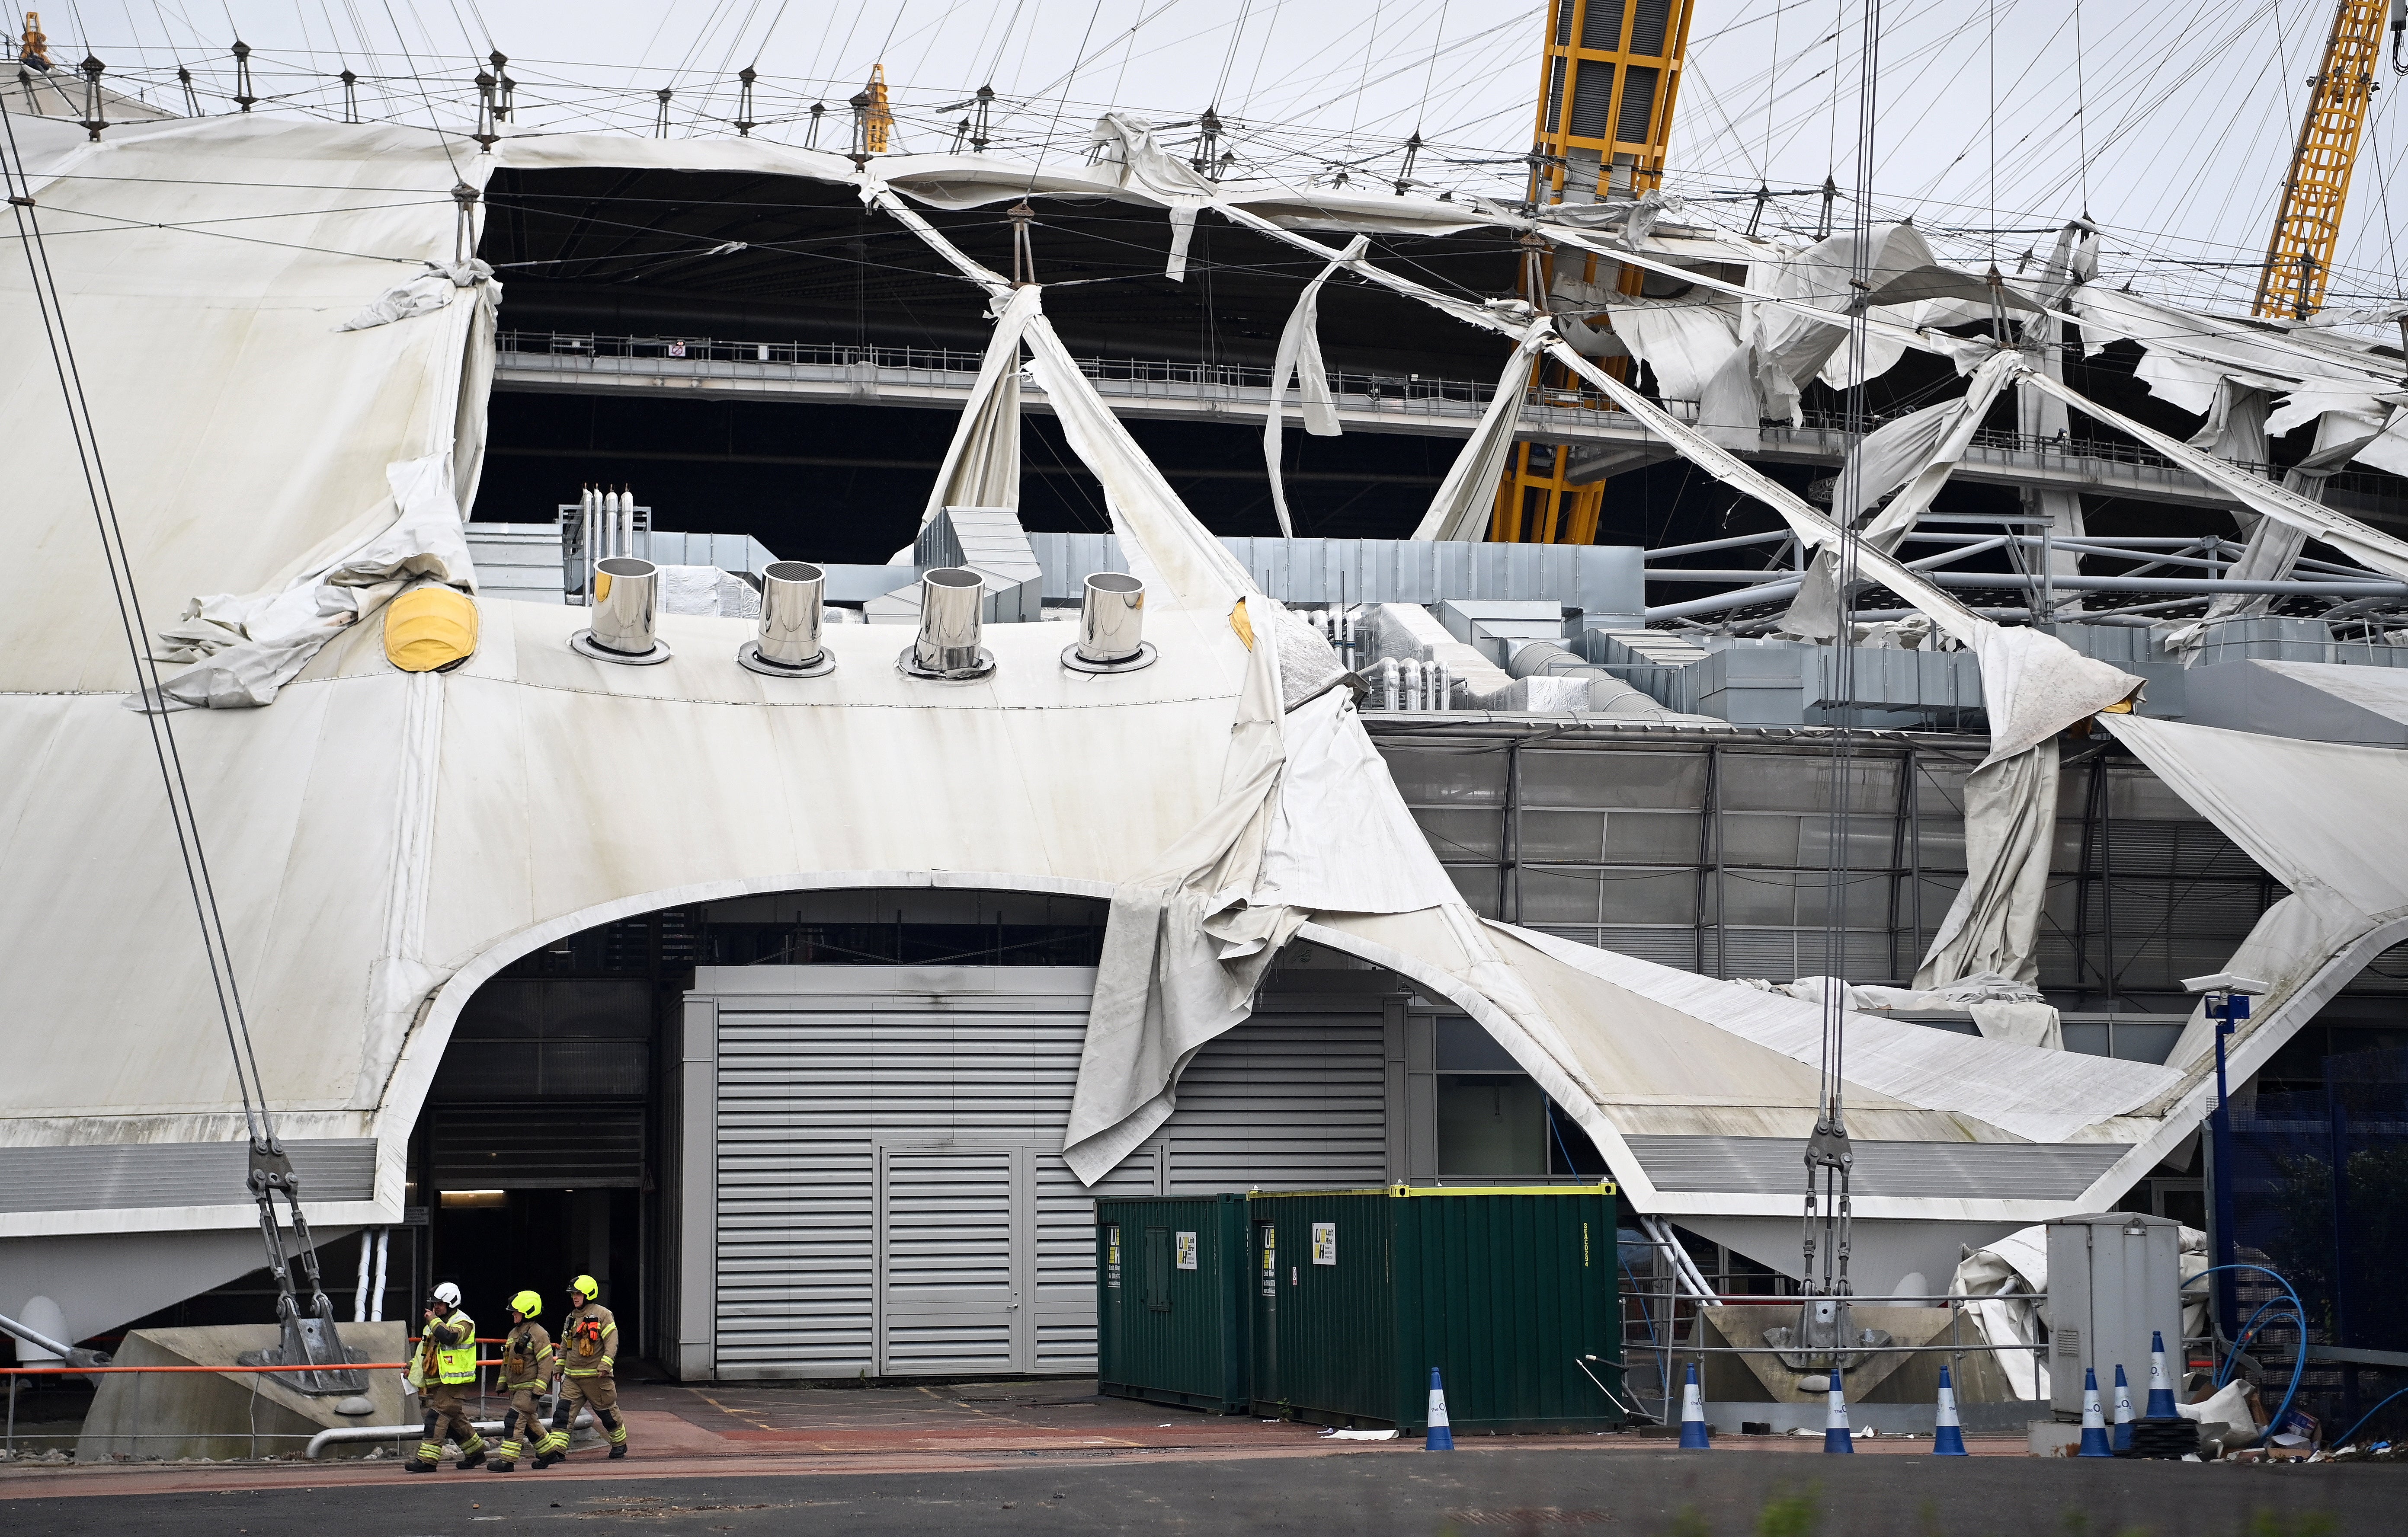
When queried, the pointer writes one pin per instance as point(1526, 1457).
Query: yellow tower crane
point(1607, 78)
point(2307, 227)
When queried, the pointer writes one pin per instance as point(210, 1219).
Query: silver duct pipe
point(794, 607)
point(1112, 626)
point(947, 647)
point(1607, 693)
point(625, 598)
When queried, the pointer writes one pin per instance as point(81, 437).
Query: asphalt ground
point(1054, 1456)
point(1377, 1491)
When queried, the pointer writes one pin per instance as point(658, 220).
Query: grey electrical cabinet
point(2114, 1279)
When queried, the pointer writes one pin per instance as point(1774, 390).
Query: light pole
point(2227, 998)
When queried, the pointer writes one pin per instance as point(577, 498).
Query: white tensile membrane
point(1299, 356)
point(1917, 453)
point(2321, 818)
point(2033, 684)
point(384, 843)
point(981, 462)
point(1466, 497)
point(1310, 836)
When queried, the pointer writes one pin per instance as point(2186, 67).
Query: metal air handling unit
point(1509, 1291)
point(1173, 1312)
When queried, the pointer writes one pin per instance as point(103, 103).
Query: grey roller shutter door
point(891, 1195)
point(951, 1241)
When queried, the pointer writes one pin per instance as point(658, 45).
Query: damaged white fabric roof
point(382, 843)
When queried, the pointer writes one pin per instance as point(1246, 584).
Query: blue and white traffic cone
point(1835, 1420)
point(1440, 1438)
point(2123, 1412)
point(2094, 1428)
point(2161, 1386)
point(1947, 1434)
point(1693, 1416)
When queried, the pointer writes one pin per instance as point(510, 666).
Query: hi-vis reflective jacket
point(452, 1346)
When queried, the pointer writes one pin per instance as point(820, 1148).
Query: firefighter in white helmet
point(443, 1366)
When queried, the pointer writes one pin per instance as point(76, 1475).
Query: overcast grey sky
point(2188, 108)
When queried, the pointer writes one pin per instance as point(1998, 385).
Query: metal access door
point(956, 1244)
point(1266, 1305)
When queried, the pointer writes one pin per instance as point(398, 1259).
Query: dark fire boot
point(473, 1460)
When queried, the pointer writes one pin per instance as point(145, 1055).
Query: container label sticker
point(1112, 1257)
point(1325, 1242)
point(1271, 1260)
point(1184, 1245)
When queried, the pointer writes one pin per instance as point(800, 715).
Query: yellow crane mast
point(1608, 75)
point(2307, 227)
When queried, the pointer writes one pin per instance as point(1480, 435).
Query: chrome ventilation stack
point(794, 607)
point(1112, 626)
point(626, 601)
point(948, 646)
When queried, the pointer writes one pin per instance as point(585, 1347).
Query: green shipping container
point(1171, 1301)
point(1509, 1291)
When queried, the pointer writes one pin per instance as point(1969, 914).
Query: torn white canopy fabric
point(2033, 684)
point(2189, 357)
point(2010, 1277)
point(420, 296)
point(982, 463)
point(2273, 549)
point(138, 253)
point(1466, 500)
point(2369, 546)
point(2001, 1007)
point(239, 651)
point(2321, 818)
point(1683, 340)
point(1993, 925)
point(1886, 460)
point(1183, 235)
point(1783, 351)
point(1300, 357)
point(1308, 822)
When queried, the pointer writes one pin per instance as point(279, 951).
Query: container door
point(952, 1244)
point(1112, 1365)
point(1265, 1303)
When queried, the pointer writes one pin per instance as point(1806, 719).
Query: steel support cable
point(133, 626)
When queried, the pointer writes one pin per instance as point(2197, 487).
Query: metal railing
point(1120, 376)
point(317, 1440)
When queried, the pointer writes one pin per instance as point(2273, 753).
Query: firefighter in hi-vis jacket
point(444, 1364)
point(589, 1350)
point(527, 1369)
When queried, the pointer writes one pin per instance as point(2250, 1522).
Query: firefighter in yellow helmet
point(443, 1366)
point(527, 1370)
point(589, 1350)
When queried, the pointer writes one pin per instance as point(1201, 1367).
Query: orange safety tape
point(77, 1371)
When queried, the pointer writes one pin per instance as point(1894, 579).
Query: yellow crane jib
point(2307, 226)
